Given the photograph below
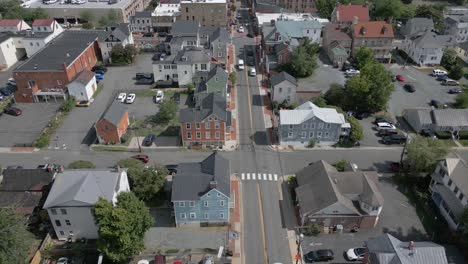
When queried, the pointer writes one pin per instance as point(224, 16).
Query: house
point(330, 198)
point(165, 14)
point(214, 81)
point(9, 52)
point(47, 73)
point(449, 189)
point(427, 48)
point(208, 124)
point(283, 87)
point(417, 25)
point(141, 22)
point(115, 33)
point(457, 26)
point(72, 198)
point(43, 31)
point(201, 192)
point(216, 40)
point(208, 12)
point(462, 51)
point(376, 35)
point(24, 189)
point(13, 25)
point(346, 14)
point(337, 43)
point(386, 249)
point(452, 120)
point(83, 86)
point(113, 124)
point(309, 122)
point(181, 66)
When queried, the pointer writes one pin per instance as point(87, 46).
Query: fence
point(37, 256)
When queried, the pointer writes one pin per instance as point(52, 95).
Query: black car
point(387, 132)
point(394, 139)
point(144, 81)
point(428, 133)
point(362, 115)
point(148, 141)
point(156, 56)
point(442, 77)
point(99, 68)
point(249, 35)
point(409, 87)
point(250, 61)
point(164, 84)
point(139, 76)
point(176, 98)
point(6, 91)
point(319, 255)
point(172, 168)
point(437, 104)
point(455, 91)
point(347, 66)
point(250, 52)
point(12, 111)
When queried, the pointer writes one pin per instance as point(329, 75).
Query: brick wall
point(212, 131)
point(107, 132)
point(123, 125)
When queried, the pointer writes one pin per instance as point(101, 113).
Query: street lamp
point(299, 240)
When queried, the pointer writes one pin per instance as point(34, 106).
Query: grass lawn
point(449, 142)
point(145, 127)
point(464, 142)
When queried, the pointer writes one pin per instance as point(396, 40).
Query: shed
point(83, 86)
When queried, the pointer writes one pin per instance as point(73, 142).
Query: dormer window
point(363, 31)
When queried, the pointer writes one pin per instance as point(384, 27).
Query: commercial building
point(165, 14)
point(207, 12)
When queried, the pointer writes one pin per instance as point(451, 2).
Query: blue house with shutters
point(201, 192)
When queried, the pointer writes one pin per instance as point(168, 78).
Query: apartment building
point(207, 12)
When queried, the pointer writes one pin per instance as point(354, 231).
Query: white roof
point(308, 110)
point(167, 10)
point(203, 1)
point(267, 17)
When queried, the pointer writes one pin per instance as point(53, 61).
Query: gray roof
point(418, 24)
point(64, 49)
point(450, 117)
point(193, 179)
point(25, 179)
point(84, 77)
point(221, 34)
point(206, 105)
point(119, 31)
point(430, 39)
point(282, 76)
point(463, 45)
point(184, 27)
point(189, 55)
point(387, 249)
point(321, 185)
point(75, 188)
point(424, 115)
point(115, 113)
point(457, 170)
point(142, 14)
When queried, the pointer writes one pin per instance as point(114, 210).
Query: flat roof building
point(207, 12)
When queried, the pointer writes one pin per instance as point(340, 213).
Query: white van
point(240, 65)
point(437, 72)
point(252, 72)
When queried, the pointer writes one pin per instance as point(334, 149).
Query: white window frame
point(291, 127)
point(290, 134)
point(328, 126)
point(183, 216)
point(191, 204)
point(188, 126)
point(181, 204)
point(218, 195)
point(216, 123)
point(63, 211)
point(320, 126)
point(207, 125)
point(311, 134)
point(189, 135)
point(197, 125)
point(206, 204)
point(312, 126)
point(319, 134)
point(305, 125)
point(221, 216)
point(303, 134)
point(217, 135)
point(207, 134)
point(67, 222)
point(326, 135)
point(206, 216)
point(198, 135)
point(221, 203)
point(193, 215)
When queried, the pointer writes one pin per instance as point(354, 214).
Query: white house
point(181, 66)
point(114, 34)
point(43, 31)
point(83, 86)
point(13, 25)
point(457, 25)
point(72, 197)
point(462, 51)
point(283, 87)
point(427, 47)
point(449, 189)
point(9, 54)
point(141, 22)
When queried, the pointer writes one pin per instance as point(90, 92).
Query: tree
point(364, 56)
point(312, 143)
point(407, 2)
point(233, 8)
point(335, 95)
point(320, 101)
point(461, 100)
point(13, 10)
point(389, 9)
point(340, 165)
point(123, 55)
point(81, 164)
point(130, 52)
point(16, 240)
point(167, 111)
point(303, 60)
point(145, 183)
point(356, 133)
point(456, 72)
point(122, 228)
point(233, 78)
point(434, 11)
point(423, 153)
point(190, 87)
point(449, 58)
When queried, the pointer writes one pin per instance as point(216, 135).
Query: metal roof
point(308, 110)
point(115, 113)
point(282, 76)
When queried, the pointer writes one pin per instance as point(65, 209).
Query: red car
point(400, 78)
point(395, 167)
point(141, 157)
point(12, 111)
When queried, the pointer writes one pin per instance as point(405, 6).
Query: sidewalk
point(235, 222)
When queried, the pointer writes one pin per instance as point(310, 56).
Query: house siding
point(208, 14)
point(112, 134)
point(203, 140)
point(333, 133)
point(380, 46)
point(82, 222)
point(284, 90)
point(82, 92)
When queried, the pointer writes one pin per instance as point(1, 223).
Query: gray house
point(283, 87)
point(451, 120)
point(417, 25)
point(386, 249)
point(214, 81)
point(201, 192)
point(141, 22)
point(308, 121)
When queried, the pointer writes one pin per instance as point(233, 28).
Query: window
point(197, 125)
point(208, 195)
point(183, 216)
point(191, 204)
point(67, 222)
point(62, 233)
point(216, 125)
point(320, 126)
point(319, 134)
point(205, 216)
point(188, 18)
point(207, 125)
point(205, 203)
point(186, 10)
point(220, 54)
point(37, 44)
point(207, 135)
point(198, 135)
point(218, 195)
point(312, 126)
point(167, 67)
point(221, 215)
point(303, 134)
point(326, 134)
point(57, 223)
point(307, 31)
point(290, 134)
point(45, 28)
point(280, 90)
point(291, 127)
point(31, 44)
point(196, 67)
point(106, 127)
point(193, 17)
point(185, 72)
point(328, 126)
point(8, 46)
point(217, 135)
point(203, 66)
point(53, 211)
point(175, 75)
point(311, 134)
point(193, 215)
point(188, 125)
point(455, 190)
point(189, 135)
point(31, 83)
point(460, 196)
point(63, 211)
point(450, 183)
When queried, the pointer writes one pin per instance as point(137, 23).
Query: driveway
point(322, 77)
point(77, 130)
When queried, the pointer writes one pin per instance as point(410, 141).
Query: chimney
point(213, 184)
point(355, 20)
point(411, 245)
point(337, 15)
point(277, 34)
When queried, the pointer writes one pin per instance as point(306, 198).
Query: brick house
point(346, 14)
point(113, 124)
point(376, 35)
point(47, 73)
point(206, 124)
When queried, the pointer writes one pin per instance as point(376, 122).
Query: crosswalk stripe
point(253, 176)
point(276, 177)
point(259, 176)
point(264, 177)
point(248, 176)
point(270, 177)
point(243, 176)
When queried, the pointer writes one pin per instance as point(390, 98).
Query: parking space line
point(248, 176)
point(243, 176)
point(253, 176)
point(270, 177)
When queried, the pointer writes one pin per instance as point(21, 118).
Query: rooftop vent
point(35, 66)
point(384, 30)
point(68, 55)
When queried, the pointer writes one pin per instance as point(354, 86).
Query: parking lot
point(323, 77)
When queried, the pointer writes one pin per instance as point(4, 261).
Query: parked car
point(319, 255)
point(252, 72)
point(450, 82)
point(387, 132)
point(62, 260)
point(352, 72)
point(395, 166)
point(148, 141)
point(385, 126)
point(11, 81)
point(250, 61)
point(442, 77)
point(437, 72)
point(361, 115)
point(12, 111)
point(99, 76)
point(144, 81)
point(347, 66)
point(400, 78)
point(6, 91)
point(83, 103)
point(172, 168)
point(99, 68)
point(240, 29)
point(122, 97)
point(159, 96)
point(409, 87)
point(356, 253)
point(130, 98)
point(164, 84)
point(394, 139)
point(141, 157)
point(381, 120)
point(240, 65)
point(438, 104)
point(140, 75)
point(176, 98)
point(455, 91)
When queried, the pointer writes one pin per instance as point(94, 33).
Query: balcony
point(44, 95)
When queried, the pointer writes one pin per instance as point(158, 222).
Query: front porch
point(46, 95)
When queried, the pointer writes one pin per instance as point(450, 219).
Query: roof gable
point(349, 12)
point(373, 29)
point(25, 179)
point(282, 76)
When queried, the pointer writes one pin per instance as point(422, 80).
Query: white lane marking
point(253, 176)
point(248, 176)
point(276, 177)
point(243, 176)
point(264, 176)
point(270, 177)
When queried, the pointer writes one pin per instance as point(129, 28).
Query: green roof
point(339, 52)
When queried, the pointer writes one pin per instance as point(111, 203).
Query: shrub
point(81, 164)
point(312, 142)
point(340, 165)
point(463, 134)
point(312, 230)
point(443, 134)
point(125, 137)
point(68, 104)
point(42, 141)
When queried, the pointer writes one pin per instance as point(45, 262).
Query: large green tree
point(423, 153)
point(167, 111)
point(335, 95)
point(434, 11)
point(13, 10)
point(356, 129)
point(449, 58)
point(461, 101)
point(364, 56)
point(389, 9)
point(303, 60)
point(456, 72)
point(122, 227)
point(15, 239)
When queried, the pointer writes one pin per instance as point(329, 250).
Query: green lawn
point(464, 142)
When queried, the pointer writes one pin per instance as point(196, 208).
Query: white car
point(12, 81)
point(252, 72)
point(355, 253)
point(122, 97)
point(240, 29)
point(352, 72)
point(240, 65)
point(385, 126)
point(130, 98)
point(143, 261)
point(159, 96)
point(62, 261)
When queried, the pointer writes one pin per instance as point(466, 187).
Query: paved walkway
point(235, 221)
